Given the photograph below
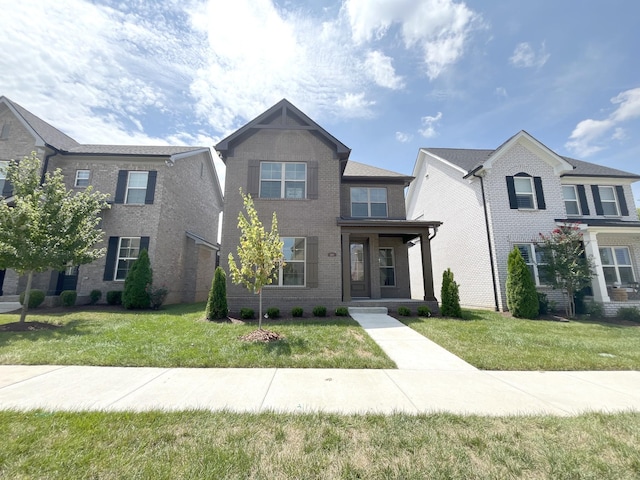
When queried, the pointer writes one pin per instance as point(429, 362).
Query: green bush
point(114, 297)
point(450, 296)
point(595, 309)
point(297, 311)
point(68, 298)
point(95, 296)
point(522, 296)
point(217, 307)
point(36, 297)
point(404, 311)
point(631, 314)
point(424, 311)
point(273, 312)
point(157, 296)
point(246, 313)
point(342, 312)
point(135, 295)
point(319, 311)
point(543, 303)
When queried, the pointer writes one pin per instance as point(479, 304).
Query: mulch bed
point(261, 335)
point(27, 326)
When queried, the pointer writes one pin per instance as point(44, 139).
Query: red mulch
point(27, 326)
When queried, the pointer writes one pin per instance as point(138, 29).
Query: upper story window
point(295, 256)
point(4, 132)
point(608, 201)
point(525, 192)
point(128, 251)
point(368, 202)
point(82, 178)
point(136, 188)
point(283, 180)
point(3, 174)
point(571, 203)
point(534, 259)
point(616, 265)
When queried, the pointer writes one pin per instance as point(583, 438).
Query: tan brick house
point(163, 198)
point(343, 223)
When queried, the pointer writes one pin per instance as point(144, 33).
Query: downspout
point(45, 165)
point(486, 223)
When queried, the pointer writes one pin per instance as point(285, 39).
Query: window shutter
point(537, 183)
point(312, 262)
point(121, 187)
point(595, 190)
point(7, 190)
point(622, 201)
point(312, 185)
point(110, 263)
point(253, 180)
point(511, 189)
point(151, 187)
point(582, 196)
point(144, 244)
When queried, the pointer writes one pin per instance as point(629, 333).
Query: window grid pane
point(82, 178)
point(524, 192)
point(293, 273)
point(616, 265)
point(283, 180)
point(127, 254)
point(368, 202)
point(137, 187)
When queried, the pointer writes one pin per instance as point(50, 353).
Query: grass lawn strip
point(492, 341)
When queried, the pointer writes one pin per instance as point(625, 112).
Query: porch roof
point(601, 222)
point(407, 229)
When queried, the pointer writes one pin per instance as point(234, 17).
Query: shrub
point(424, 311)
point(246, 313)
point(297, 311)
point(404, 311)
point(631, 314)
point(273, 312)
point(114, 297)
point(217, 307)
point(157, 296)
point(450, 296)
point(522, 296)
point(68, 298)
point(595, 309)
point(94, 296)
point(319, 311)
point(543, 303)
point(342, 312)
point(36, 297)
point(135, 293)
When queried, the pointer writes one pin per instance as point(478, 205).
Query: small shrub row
point(68, 298)
point(422, 311)
point(631, 314)
point(36, 297)
point(274, 312)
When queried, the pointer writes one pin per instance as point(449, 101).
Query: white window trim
point(88, 179)
point(369, 202)
point(615, 200)
point(283, 180)
point(4, 164)
point(577, 200)
point(534, 200)
point(118, 257)
point(304, 262)
point(534, 262)
point(392, 266)
point(126, 197)
point(615, 264)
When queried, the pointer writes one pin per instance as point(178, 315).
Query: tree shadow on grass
point(283, 347)
point(42, 331)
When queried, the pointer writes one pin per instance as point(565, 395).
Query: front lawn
point(177, 336)
point(494, 341)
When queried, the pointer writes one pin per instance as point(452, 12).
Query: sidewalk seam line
point(401, 390)
point(261, 408)
point(164, 372)
point(60, 367)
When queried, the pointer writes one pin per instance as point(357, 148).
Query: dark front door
point(359, 258)
point(67, 280)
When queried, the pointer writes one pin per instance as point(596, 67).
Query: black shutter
point(253, 179)
point(110, 263)
point(312, 185)
point(151, 187)
point(595, 190)
point(511, 189)
point(582, 196)
point(537, 183)
point(312, 262)
point(144, 244)
point(121, 187)
point(7, 190)
point(622, 201)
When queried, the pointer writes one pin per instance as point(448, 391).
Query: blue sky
point(385, 77)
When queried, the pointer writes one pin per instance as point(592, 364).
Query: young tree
point(217, 302)
point(259, 253)
point(140, 276)
point(450, 296)
point(522, 296)
point(568, 268)
point(47, 226)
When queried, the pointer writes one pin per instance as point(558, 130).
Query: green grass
point(227, 445)
point(493, 341)
point(179, 337)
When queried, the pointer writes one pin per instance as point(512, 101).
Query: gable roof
point(291, 118)
point(359, 171)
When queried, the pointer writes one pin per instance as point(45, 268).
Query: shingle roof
point(356, 169)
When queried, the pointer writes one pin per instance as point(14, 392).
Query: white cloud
point(439, 27)
point(590, 136)
point(355, 105)
point(429, 123)
point(403, 137)
point(524, 56)
point(501, 92)
point(379, 68)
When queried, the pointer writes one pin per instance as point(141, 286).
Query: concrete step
point(379, 310)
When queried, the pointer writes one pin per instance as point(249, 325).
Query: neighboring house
point(343, 223)
point(491, 201)
point(165, 199)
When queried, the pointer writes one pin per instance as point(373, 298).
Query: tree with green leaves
point(450, 296)
point(47, 226)
point(567, 267)
point(259, 252)
point(217, 302)
point(140, 276)
point(522, 296)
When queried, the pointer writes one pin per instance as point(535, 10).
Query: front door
point(359, 258)
point(67, 279)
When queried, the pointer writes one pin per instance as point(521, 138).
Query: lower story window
point(387, 267)
point(534, 258)
point(128, 251)
point(293, 272)
point(616, 265)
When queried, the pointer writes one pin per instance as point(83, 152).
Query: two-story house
point(343, 223)
point(491, 201)
point(164, 199)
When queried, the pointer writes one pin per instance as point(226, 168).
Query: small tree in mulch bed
point(522, 296)
point(217, 303)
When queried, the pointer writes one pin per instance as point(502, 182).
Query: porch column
point(427, 269)
point(598, 284)
point(346, 269)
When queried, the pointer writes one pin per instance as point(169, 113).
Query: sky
point(385, 77)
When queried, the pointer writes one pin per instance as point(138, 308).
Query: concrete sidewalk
point(6, 307)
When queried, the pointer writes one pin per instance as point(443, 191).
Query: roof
point(356, 170)
point(143, 150)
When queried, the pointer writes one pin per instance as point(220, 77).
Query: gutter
point(45, 165)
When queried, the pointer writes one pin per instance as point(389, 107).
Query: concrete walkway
point(6, 307)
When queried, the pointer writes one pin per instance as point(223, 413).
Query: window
point(3, 174)
point(534, 258)
point(128, 251)
point(82, 178)
point(4, 132)
point(608, 201)
point(137, 188)
point(570, 195)
point(293, 273)
point(616, 265)
point(368, 202)
point(524, 192)
point(387, 267)
point(283, 180)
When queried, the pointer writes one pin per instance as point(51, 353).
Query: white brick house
point(492, 200)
